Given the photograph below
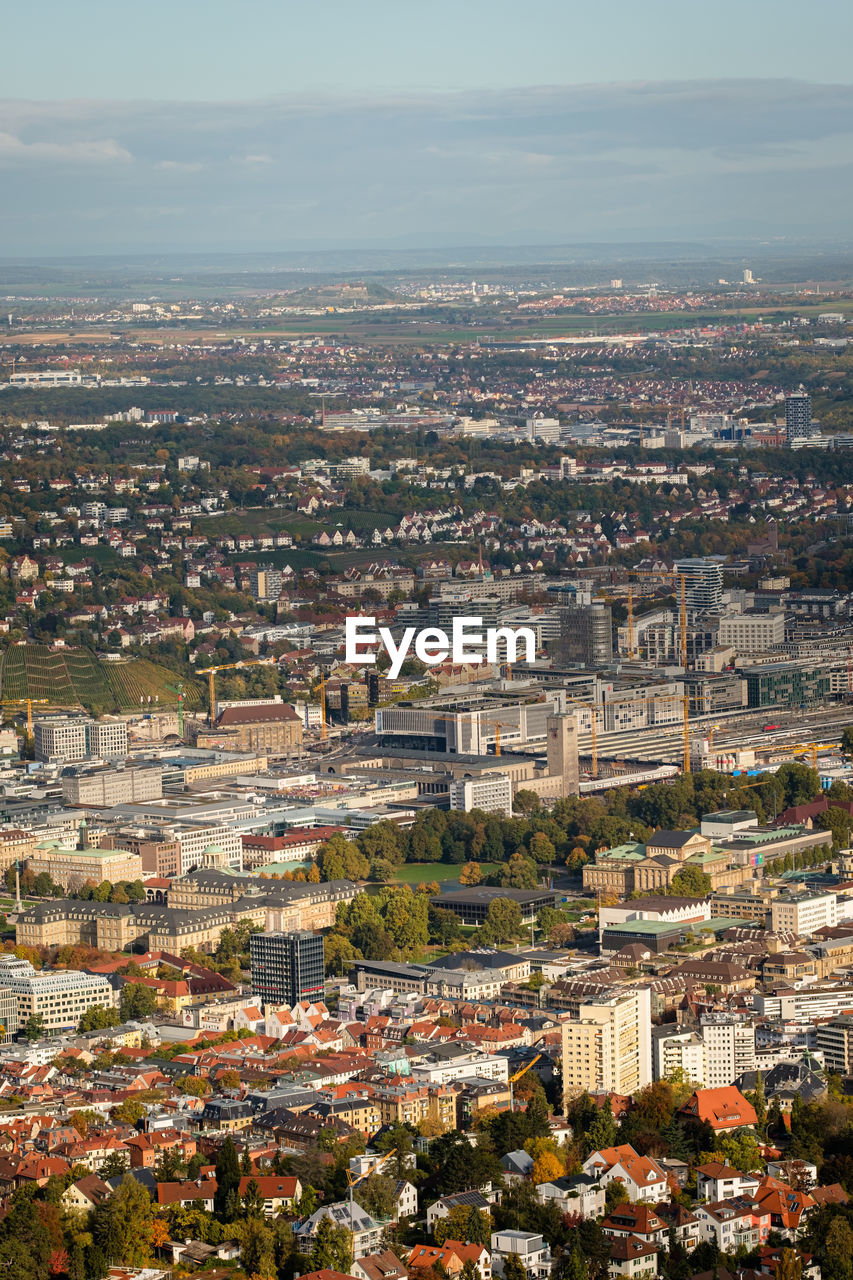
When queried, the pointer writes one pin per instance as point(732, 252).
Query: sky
point(267, 125)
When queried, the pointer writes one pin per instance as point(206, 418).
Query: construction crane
point(29, 703)
point(179, 690)
point(659, 573)
point(517, 1076)
point(594, 710)
point(353, 1180)
point(800, 748)
point(212, 672)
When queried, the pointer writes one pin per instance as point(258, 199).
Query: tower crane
point(517, 1076)
point(29, 703)
point(211, 673)
point(354, 1179)
point(659, 573)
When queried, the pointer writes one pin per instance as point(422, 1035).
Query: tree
point(464, 1222)
point(131, 1111)
point(503, 919)
point(615, 1194)
point(193, 1086)
point(122, 1224)
point(847, 740)
point(376, 1194)
point(690, 881)
point(227, 1197)
point(116, 1163)
point(519, 873)
point(136, 1002)
point(257, 1247)
point(470, 874)
point(253, 1202)
point(525, 802)
point(331, 1247)
point(547, 1167)
point(97, 1018)
point(34, 1027)
point(837, 1259)
point(514, 1268)
point(25, 1243)
point(340, 955)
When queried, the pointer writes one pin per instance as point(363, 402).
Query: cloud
point(87, 151)
point(662, 160)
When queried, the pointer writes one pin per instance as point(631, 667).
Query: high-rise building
point(703, 583)
point(798, 416)
point(287, 967)
point(585, 637)
point(61, 738)
point(608, 1049)
point(729, 1049)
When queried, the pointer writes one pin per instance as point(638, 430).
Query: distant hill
point(75, 677)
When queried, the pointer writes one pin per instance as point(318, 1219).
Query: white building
point(753, 632)
point(492, 793)
point(531, 1249)
point(803, 913)
point(682, 1051)
point(729, 1049)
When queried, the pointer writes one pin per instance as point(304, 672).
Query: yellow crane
point(684, 698)
point(517, 1076)
point(354, 1179)
point(212, 672)
point(800, 748)
point(29, 703)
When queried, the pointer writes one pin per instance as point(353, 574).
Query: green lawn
point(420, 872)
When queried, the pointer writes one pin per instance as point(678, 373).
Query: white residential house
point(531, 1249)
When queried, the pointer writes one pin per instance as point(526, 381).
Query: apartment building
point(608, 1049)
point(729, 1049)
point(835, 1041)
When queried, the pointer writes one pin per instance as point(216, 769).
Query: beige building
point(60, 997)
point(103, 786)
point(803, 913)
point(609, 1049)
point(72, 868)
point(15, 846)
point(273, 728)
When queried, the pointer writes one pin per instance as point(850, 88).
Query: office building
point(287, 967)
point(753, 632)
point(703, 583)
point(61, 738)
point(803, 913)
point(585, 636)
point(798, 416)
point(60, 997)
point(107, 739)
point(66, 738)
point(102, 786)
point(492, 792)
point(608, 1049)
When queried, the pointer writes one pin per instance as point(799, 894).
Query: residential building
point(608, 1048)
point(643, 1178)
point(835, 1042)
point(729, 1049)
point(531, 1249)
point(703, 583)
point(798, 416)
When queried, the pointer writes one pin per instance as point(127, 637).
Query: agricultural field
point(75, 678)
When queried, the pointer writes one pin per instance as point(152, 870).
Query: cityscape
point(426, 645)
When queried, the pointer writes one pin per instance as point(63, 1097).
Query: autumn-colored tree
point(547, 1167)
point(470, 874)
